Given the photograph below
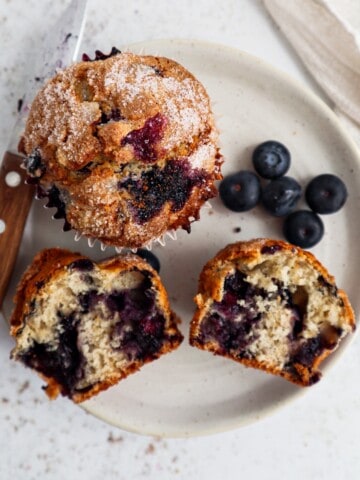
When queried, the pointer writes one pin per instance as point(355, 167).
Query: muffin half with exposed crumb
point(270, 305)
point(84, 326)
point(125, 147)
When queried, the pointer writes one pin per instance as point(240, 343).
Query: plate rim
point(321, 106)
point(278, 72)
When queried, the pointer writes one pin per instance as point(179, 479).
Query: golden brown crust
point(245, 253)
point(50, 264)
point(79, 123)
point(45, 266)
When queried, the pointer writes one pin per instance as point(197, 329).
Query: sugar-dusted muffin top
point(124, 146)
point(273, 306)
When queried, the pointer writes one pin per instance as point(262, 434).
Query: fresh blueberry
point(240, 191)
point(271, 159)
point(280, 196)
point(150, 257)
point(303, 228)
point(326, 193)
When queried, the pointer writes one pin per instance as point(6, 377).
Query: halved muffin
point(84, 326)
point(270, 305)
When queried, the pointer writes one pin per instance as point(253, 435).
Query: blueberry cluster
point(325, 194)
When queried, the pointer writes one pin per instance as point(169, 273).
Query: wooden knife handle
point(15, 202)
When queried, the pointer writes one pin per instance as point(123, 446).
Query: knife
point(61, 48)
point(328, 47)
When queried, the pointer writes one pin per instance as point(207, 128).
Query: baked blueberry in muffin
point(84, 326)
point(124, 146)
point(270, 305)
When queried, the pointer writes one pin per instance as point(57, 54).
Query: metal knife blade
point(61, 48)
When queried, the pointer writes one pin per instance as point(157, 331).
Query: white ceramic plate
point(190, 392)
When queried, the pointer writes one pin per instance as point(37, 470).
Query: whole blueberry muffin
point(84, 326)
point(270, 305)
point(124, 146)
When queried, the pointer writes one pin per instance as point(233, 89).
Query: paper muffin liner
point(60, 214)
point(160, 240)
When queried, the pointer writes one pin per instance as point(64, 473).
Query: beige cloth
point(326, 36)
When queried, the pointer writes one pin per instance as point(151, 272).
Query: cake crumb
point(112, 439)
point(20, 104)
point(150, 449)
point(23, 387)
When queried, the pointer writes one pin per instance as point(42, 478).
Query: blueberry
point(240, 191)
point(144, 139)
point(150, 257)
point(280, 196)
point(326, 193)
point(271, 159)
point(173, 183)
point(34, 164)
point(83, 264)
point(303, 228)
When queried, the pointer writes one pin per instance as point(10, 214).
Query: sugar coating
point(81, 123)
point(180, 103)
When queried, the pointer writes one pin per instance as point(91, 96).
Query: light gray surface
point(315, 437)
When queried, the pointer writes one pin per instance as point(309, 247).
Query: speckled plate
point(190, 392)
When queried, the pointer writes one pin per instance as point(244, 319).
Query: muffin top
point(108, 134)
